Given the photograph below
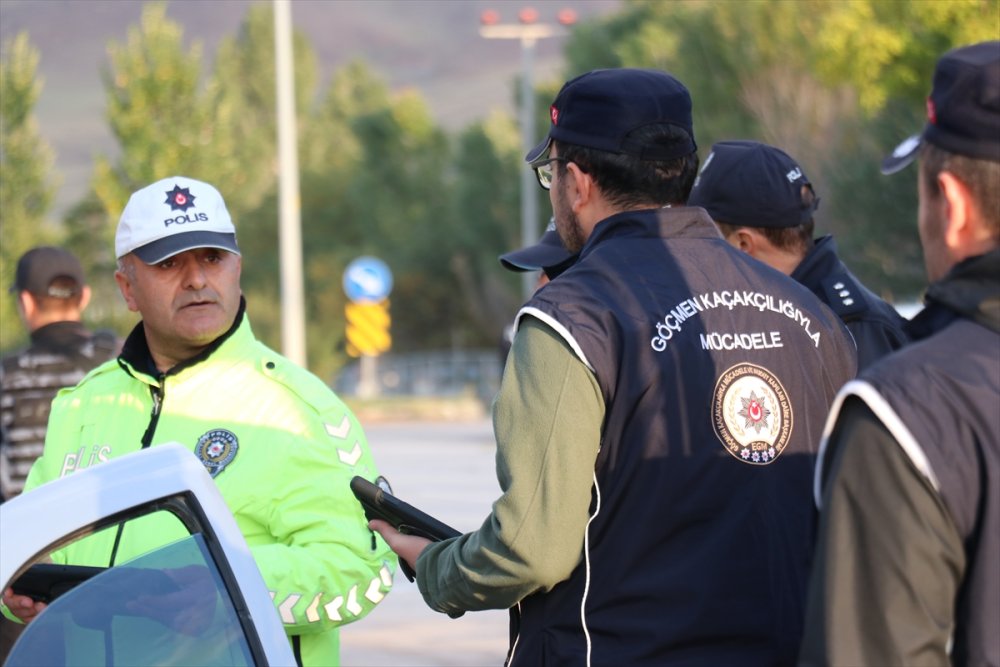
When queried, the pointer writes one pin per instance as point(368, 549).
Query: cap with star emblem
point(171, 216)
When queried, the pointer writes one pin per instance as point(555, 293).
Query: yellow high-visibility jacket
point(282, 448)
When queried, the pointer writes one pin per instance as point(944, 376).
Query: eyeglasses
point(543, 170)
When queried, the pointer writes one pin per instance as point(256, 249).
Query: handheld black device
point(402, 516)
point(44, 582)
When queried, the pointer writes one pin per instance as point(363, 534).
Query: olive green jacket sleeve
point(547, 420)
point(889, 559)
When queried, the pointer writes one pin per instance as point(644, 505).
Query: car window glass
point(166, 607)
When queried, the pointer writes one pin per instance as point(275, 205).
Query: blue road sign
point(367, 279)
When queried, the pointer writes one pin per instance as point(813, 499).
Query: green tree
point(89, 234)
point(243, 98)
point(26, 190)
point(887, 50)
point(486, 194)
point(157, 110)
point(814, 78)
point(242, 93)
point(222, 130)
point(375, 184)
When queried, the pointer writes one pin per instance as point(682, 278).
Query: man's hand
point(22, 606)
point(407, 547)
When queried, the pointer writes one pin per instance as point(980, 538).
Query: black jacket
point(937, 402)
point(877, 327)
point(59, 355)
point(947, 386)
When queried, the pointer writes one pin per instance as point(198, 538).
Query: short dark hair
point(63, 292)
point(630, 182)
point(791, 239)
point(798, 239)
point(981, 177)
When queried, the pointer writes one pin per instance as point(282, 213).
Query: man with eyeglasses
point(657, 420)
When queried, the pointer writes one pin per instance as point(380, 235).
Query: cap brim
point(161, 249)
point(902, 155)
point(534, 258)
point(539, 150)
point(553, 272)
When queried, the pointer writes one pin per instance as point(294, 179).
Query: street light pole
point(293, 336)
point(529, 197)
point(528, 32)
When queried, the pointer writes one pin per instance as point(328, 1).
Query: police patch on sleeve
point(751, 414)
point(217, 449)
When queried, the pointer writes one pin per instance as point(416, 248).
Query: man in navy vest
point(658, 417)
point(908, 562)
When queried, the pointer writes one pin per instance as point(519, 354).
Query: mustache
point(198, 299)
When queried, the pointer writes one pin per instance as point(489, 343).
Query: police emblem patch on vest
point(751, 414)
point(217, 449)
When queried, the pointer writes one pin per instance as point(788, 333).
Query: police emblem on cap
point(180, 199)
point(751, 414)
point(217, 449)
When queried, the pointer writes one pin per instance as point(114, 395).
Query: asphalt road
point(445, 469)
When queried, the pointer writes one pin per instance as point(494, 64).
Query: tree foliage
point(887, 50)
point(26, 187)
point(834, 84)
point(829, 82)
point(157, 110)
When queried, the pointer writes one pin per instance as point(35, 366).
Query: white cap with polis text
point(171, 216)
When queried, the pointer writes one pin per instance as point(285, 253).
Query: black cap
point(963, 109)
point(750, 184)
point(600, 109)
point(548, 253)
point(40, 267)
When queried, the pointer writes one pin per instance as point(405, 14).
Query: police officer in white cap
point(280, 445)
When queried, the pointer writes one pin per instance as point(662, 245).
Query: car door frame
point(35, 523)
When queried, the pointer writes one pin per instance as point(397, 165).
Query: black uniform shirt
point(877, 327)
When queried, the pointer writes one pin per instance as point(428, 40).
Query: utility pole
point(527, 31)
point(293, 331)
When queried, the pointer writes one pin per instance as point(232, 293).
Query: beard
point(567, 223)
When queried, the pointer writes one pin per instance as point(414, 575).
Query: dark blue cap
point(602, 108)
point(963, 109)
point(548, 253)
point(750, 184)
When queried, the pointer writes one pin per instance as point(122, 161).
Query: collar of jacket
point(682, 222)
point(60, 334)
point(136, 358)
point(819, 262)
point(971, 290)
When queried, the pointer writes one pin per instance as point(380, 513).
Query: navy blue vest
point(946, 391)
point(717, 372)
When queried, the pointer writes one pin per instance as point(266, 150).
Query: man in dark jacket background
point(51, 294)
point(763, 203)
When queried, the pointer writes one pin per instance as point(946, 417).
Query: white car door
point(197, 600)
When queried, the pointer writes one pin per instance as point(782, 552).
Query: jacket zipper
point(157, 394)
